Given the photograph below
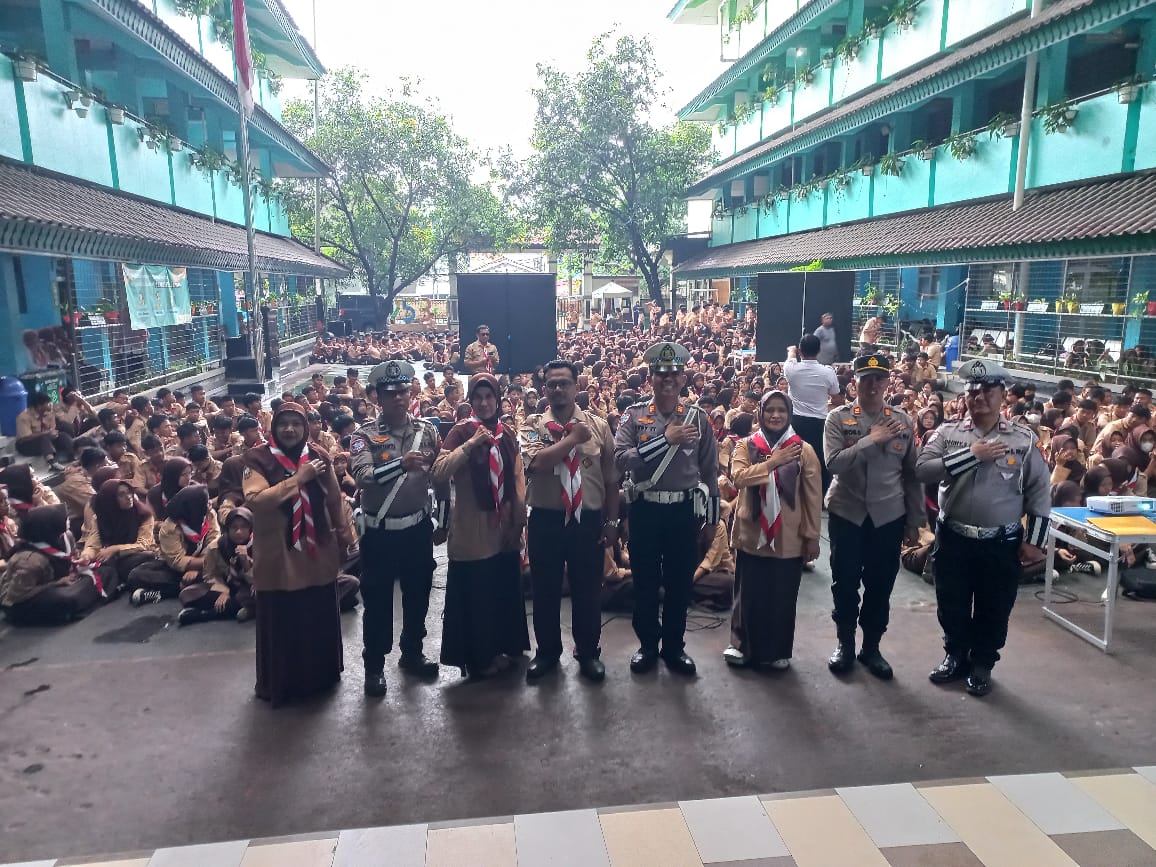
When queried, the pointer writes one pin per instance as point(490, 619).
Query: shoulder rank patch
point(850, 421)
point(357, 445)
point(856, 410)
point(381, 439)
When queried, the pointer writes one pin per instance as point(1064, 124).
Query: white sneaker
point(141, 596)
point(1088, 567)
point(1150, 559)
point(781, 664)
point(733, 656)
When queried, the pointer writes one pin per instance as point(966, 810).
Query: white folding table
point(1063, 524)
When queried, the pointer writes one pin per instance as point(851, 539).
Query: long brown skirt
point(298, 643)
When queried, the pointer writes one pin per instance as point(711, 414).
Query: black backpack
point(1138, 583)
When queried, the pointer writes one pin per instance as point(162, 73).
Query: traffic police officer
point(990, 474)
point(668, 448)
point(391, 459)
point(874, 502)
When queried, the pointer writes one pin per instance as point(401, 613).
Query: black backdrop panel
point(520, 310)
point(780, 314)
point(792, 303)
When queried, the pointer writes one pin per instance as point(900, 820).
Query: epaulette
point(1024, 429)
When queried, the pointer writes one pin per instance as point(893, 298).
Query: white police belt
point(666, 498)
point(970, 532)
point(380, 522)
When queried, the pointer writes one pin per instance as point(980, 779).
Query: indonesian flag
point(243, 57)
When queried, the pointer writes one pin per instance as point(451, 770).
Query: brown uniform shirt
point(599, 474)
point(479, 358)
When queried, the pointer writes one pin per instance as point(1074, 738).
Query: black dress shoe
point(843, 659)
point(643, 660)
point(876, 664)
point(979, 681)
point(680, 663)
point(374, 684)
point(540, 666)
point(951, 669)
point(591, 668)
point(420, 664)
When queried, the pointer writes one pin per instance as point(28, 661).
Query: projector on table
point(1122, 505)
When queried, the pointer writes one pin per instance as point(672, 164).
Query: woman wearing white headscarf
point(776, 531)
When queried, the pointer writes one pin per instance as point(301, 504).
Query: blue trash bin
point(13, 401)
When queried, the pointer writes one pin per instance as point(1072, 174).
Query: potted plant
point(116, 115)
point(1127, 89)
point(771, 96)
point(924, 148)
point(1019, 304)
point(902, 13)
point(848, 48)
point(1139, 304)
point(891, 164)
point(804, 76)
point(1118, 308)
point(1003, 125)
point(866, 165)
point(961, 146)
point(1071, 303)
point(1005, 298)
point(870, 294)
point(174, 144)
point(828, 60)
point(1058, 116)
point(26, 66)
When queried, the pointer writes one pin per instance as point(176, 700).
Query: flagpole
point(244, 65)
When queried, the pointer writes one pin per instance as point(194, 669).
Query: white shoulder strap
point(417, 443)
point(666, 458)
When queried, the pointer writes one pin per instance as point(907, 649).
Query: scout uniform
point(476, 353)
point(673, 490)
point(396, 530)
point(874, 496)
point(982, 505)
point(564, 531)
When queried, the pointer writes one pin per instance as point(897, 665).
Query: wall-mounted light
point(885, 130)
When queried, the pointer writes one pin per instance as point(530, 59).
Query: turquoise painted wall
point(815, 96)
point(747, 132)
point(774, 222)
point(906, 192)
point(1146, 136)
point(194, 189)
point(720, 231)
point(859, 74)
point(777, 117)
point(40, 307)
point(1093, 146)
point(58, 135)
point(10, 128)
point(746, 225)
point(807, 214)
point(852, 203)
point(986, 173)
point(230, 202)
point(967, 17)
point(141, 171)
point(903, 49)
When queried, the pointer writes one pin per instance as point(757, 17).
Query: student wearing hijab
point(776, 531)
point(25, 492)
point(182, 538)
point(118, 534)
point(225, 590)
point(230, 493)
point(8, 529)
point(485, 618)
point(1066, 466)
point(177, 473)
point(299, 535)
point(42, 584)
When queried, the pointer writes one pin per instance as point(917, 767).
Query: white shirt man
point(811, 384)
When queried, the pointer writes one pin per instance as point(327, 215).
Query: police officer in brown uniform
point(572, 491)
point(391, 459)
point(874, 502)
point(668, 448)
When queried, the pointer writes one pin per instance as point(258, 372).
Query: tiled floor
point(1088, 819)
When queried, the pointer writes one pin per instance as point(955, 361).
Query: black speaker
point(520, 312)
point(792, 303)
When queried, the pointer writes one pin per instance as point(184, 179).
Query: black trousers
point(46, 444)
point(663, 553)
point(811, 431)
point(976, 581)
point(576, 548)
point(863, 556)
point(387, 556)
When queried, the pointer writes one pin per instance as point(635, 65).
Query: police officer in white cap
point(990, 474)
point(668, 448)
point(391, 459)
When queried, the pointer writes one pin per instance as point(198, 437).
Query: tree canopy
point(401, 195)
point(600, 171)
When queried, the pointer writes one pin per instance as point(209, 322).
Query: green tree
point(400, 196)
point(600, 171)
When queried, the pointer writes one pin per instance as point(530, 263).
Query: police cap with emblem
point(392, 376)
point(980, 372)
point(869, 364)
point(666, 357)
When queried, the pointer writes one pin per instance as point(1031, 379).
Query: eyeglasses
point(558, 383)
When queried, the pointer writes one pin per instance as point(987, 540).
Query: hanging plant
point(902, 13)
point(195, 8)
point(771, 96)
point(865, 165)
point(1003, 125)
point(1127, 89)
point(961, 146)
point(891, 164)
point(207, 160)
point(222, 27)
point(805, 76)
point(718, 210)
point(26, 66)
point(746, 15)
point(848, 48)
point(925, 149)
point(116, 115)
point(153, 136)
point(828, 60)
point(1058, 116)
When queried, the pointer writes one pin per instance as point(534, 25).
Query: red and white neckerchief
point(304, 531)
point(569, 471)
point(66, 554)
point(19, 505)
point(497, 467)
point(195, 538)
point(771, 513)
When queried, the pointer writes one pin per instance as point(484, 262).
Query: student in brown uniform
point(42, 584)
point(118, 534)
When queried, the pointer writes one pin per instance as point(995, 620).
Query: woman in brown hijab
point(485, 618)
point(299, 534)
point(118, 534)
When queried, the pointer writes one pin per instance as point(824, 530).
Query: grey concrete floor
point(122, 733)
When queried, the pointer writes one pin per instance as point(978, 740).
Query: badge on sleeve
point(357, 446)
point(248, 472)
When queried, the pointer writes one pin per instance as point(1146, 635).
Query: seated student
point(118, 535)
point(128, 465)
point(8, 528)
point(230, 493)
point(176, 474)
point(341, 469)
point(225, 589)
point(154, 458)
point(195, 416)
point(25, 491)
point(183, 538)
point(37, 434)
point(187, 437)
point(1071, 495)
point(75, 489)
point(250, 430)
point(206, 470)
point(714, 579)
point(343, 426)
point(225, 442)
point(1065, 459)
point(42, 584)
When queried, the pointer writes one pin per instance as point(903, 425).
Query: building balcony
point(1107, 137)
point(124, 155)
